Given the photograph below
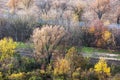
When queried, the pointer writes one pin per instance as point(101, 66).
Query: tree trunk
point(99, 15)
point(118, 19)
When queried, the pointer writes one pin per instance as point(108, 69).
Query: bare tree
point(100, 7)
point(44, 6)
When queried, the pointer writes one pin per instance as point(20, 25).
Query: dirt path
point(112, 59)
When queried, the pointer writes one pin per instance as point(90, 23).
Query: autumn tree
point(100, 7)
point(77, 8)
point(14, 4)
point(45, 41)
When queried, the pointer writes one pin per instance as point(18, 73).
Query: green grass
point(84, 49)
point(92, 50)
point(24, 45)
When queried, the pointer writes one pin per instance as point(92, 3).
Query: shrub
point(3, 26)
point(106, 35)
point(35, 78)
point(76, 62)
point(102, 67)
point(73, 38)
point(18, 27)
point(98, 35)
point(18, 64)
point(17, 76)
point(116, 33)
point(27, 3)
point(61, 68)
point(75, 59)
point(116, 77)
point(7, 48)
point(34, 75)
point(76, 74)
point(1, 76)
point(88, 75)
point(25, 64)
point(46, 39)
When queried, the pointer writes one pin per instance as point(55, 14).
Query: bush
point(61, 67)
point(17, 76)
point(102, 70)
point(35, 78)
point(26, 64)
point(98, 35)
point(73, 38)
point(116, 77)
point(3, 23)
point(101, 67)
point(88, 75)
point(7, 48)
point(116, 33)
point(46, 40)
point(75, 59)
point(19, 28)
point(1, 76)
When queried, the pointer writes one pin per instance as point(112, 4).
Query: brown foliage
point(46, 39)
point(13, 4)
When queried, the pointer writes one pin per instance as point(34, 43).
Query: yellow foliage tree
point(7, 48)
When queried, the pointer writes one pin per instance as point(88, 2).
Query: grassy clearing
point(92, 50)
point(88, 50)
point(24, 45)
